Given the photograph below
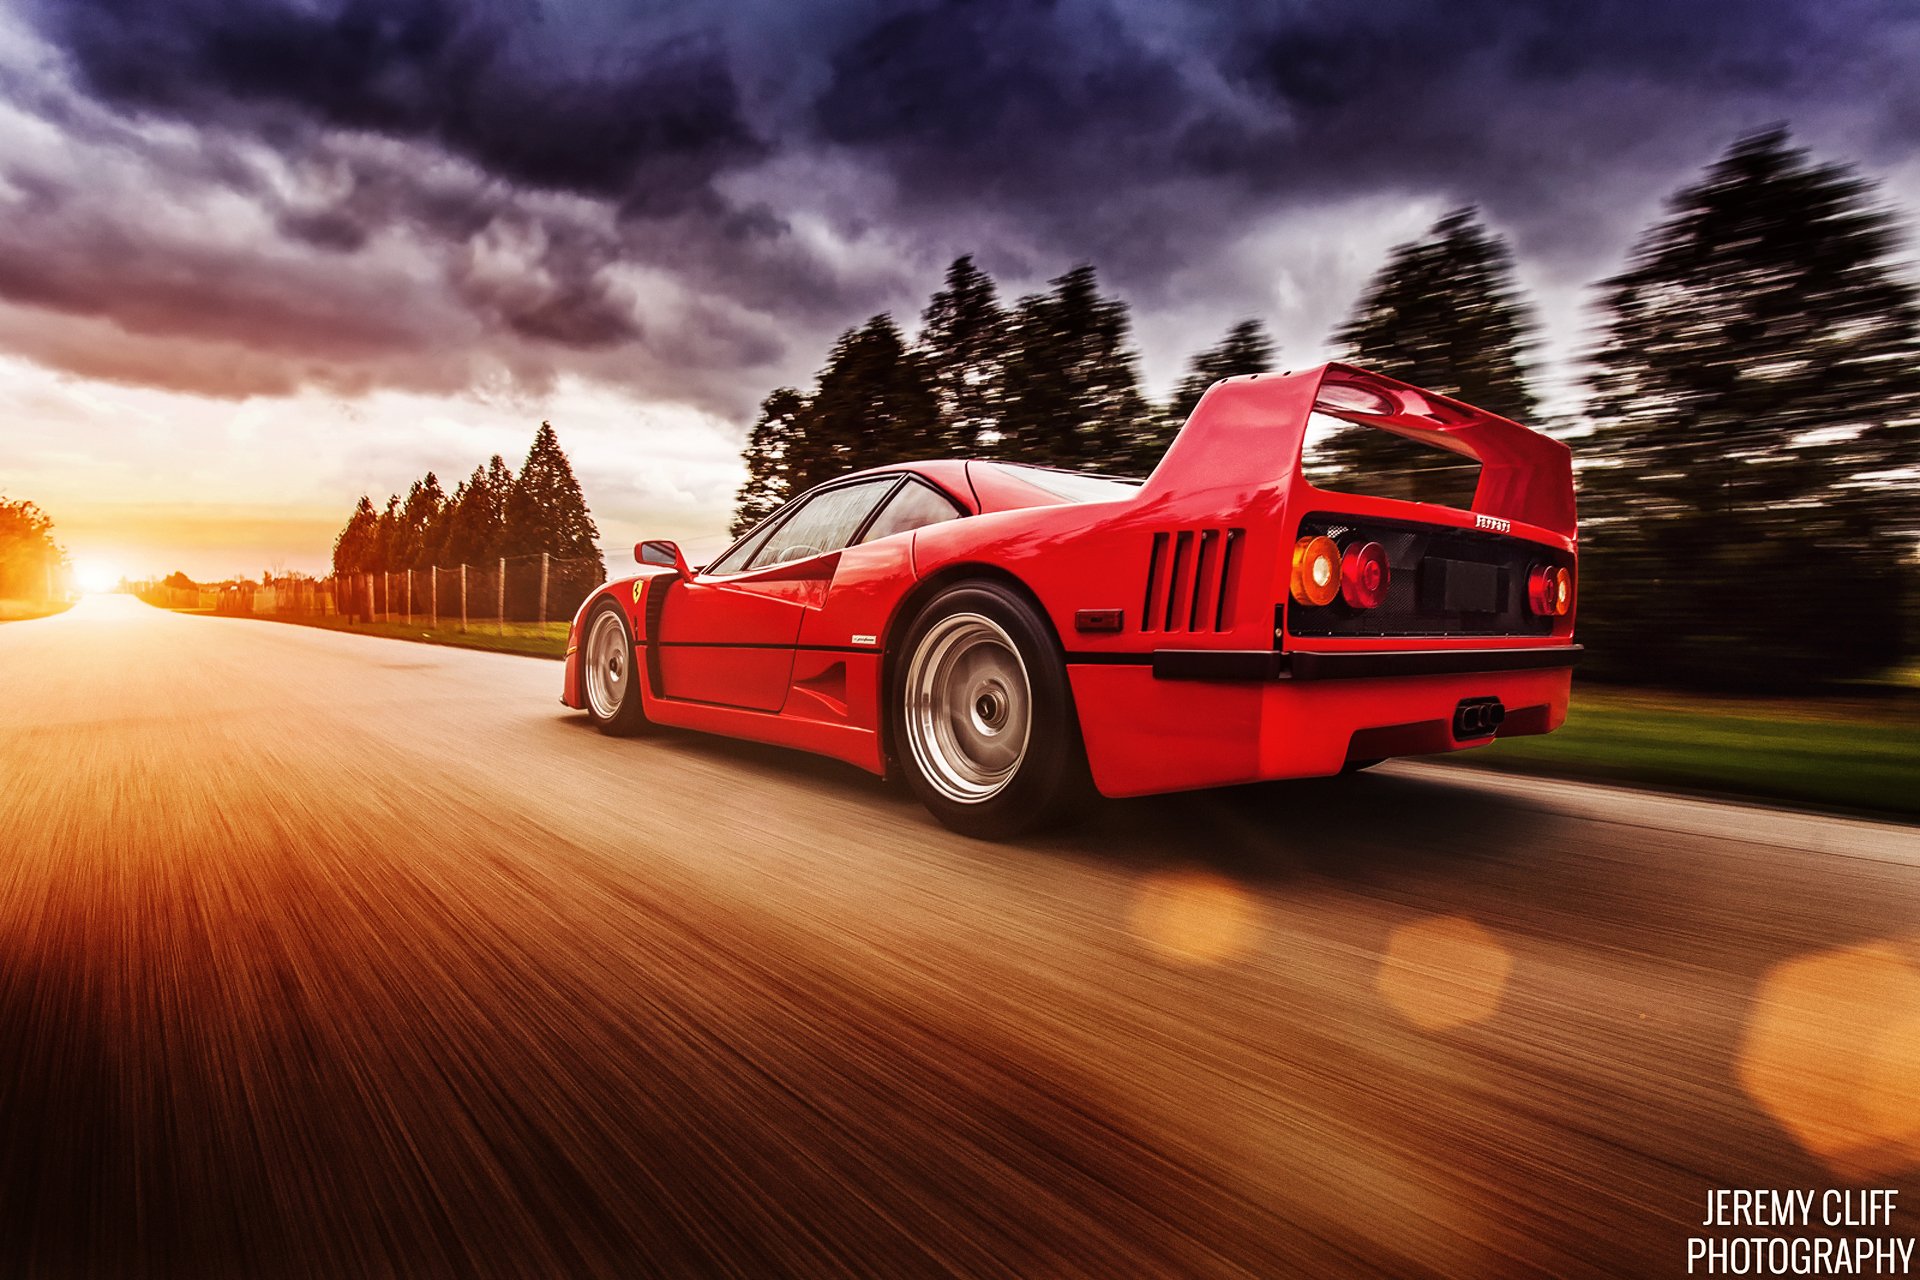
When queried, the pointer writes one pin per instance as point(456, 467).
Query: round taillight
point(1542, 589)
point(1316, 570)
point(1550, 591)
point(1364, 575)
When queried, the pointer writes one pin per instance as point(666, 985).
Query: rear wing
point(1244, 440)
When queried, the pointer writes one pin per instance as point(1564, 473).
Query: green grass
point(535, 639)
point(1857, 755)
point(21, 610)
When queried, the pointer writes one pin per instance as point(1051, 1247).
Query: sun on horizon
point(93, 575)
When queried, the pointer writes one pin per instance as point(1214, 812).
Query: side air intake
point(1190, 580)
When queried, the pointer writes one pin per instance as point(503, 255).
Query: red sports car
point(1011, 638)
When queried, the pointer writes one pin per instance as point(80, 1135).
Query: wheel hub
point(606, 665)
point(969, 707)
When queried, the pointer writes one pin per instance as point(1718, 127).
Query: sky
point(258, 257)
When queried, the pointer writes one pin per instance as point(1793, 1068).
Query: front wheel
point(607, 674)
point(983, 718)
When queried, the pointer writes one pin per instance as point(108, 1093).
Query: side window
point(736, 559)
point(915, 506)
point(825, 523)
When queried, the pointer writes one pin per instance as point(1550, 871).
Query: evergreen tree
point(1246, 348)
point(545, 510)
point(963, 333)
point(493, 507)
point(418, 515)
point(1445, 314)
point(466, 522)
point(1757, 379)
point(439, 531)
point(476, 520)
point(768, 484)
point(387, 539)
point(356, 549)
point(875, 405)
point(1071, 396)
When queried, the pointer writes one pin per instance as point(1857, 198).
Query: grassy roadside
point(22, 610)
point(1857, 755)
point(534, 639)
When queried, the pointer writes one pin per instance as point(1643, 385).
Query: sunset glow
point(94, 576)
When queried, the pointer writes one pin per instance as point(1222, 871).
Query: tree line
point(1748, 453)
point(491, 514)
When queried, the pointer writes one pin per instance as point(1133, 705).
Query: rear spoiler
point(1245, 437)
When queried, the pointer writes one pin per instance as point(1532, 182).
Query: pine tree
point(1757, 379)
point(1246, 348)
point(963, 333)
point(1072, 391)
point(475, 525)
point(440, 530)
point(875, 405)
point(386, 537)
point(545, 510)
point(417, 515)
point(768, 484)
point(1445, 314)
point(356, 549)
point(493, 506)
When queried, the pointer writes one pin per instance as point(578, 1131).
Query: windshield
point(1077, 486)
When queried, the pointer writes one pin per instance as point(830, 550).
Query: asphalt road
point(328, 955)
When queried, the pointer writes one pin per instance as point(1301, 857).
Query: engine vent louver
point(1190, 580)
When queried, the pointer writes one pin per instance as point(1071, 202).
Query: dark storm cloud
point(690, 199)
point(652, 115)
point(1077, 113)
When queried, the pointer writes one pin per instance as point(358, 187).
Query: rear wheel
point(607, 672)
point(983, 719)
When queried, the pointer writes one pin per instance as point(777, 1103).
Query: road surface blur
point(323, 954)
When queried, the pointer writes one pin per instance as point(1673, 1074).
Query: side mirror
point(665, 554)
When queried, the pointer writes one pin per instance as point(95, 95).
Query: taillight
point(1364, 575)
point(1316, 570)
point(1550, 591)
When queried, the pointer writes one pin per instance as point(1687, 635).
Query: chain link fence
point(536, 589)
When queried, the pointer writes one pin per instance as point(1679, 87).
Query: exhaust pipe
point(1477, 718)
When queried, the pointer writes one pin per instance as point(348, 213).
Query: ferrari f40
point(1013, 639)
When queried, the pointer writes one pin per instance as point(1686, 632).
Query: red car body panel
point(1195, 562)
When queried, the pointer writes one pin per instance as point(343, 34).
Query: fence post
point(433, 599)
point(409, 595)
point(369, 581)
point(543, 587)
point(500, 602)
point(463, 596)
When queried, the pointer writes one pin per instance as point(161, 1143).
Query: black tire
point(1355, 766)
point(610, 672)
point(955, 692)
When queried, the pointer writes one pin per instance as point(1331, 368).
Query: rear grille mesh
point(1190, 580)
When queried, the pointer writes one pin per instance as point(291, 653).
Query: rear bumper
point(1146, 733)
point(1262, 664)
